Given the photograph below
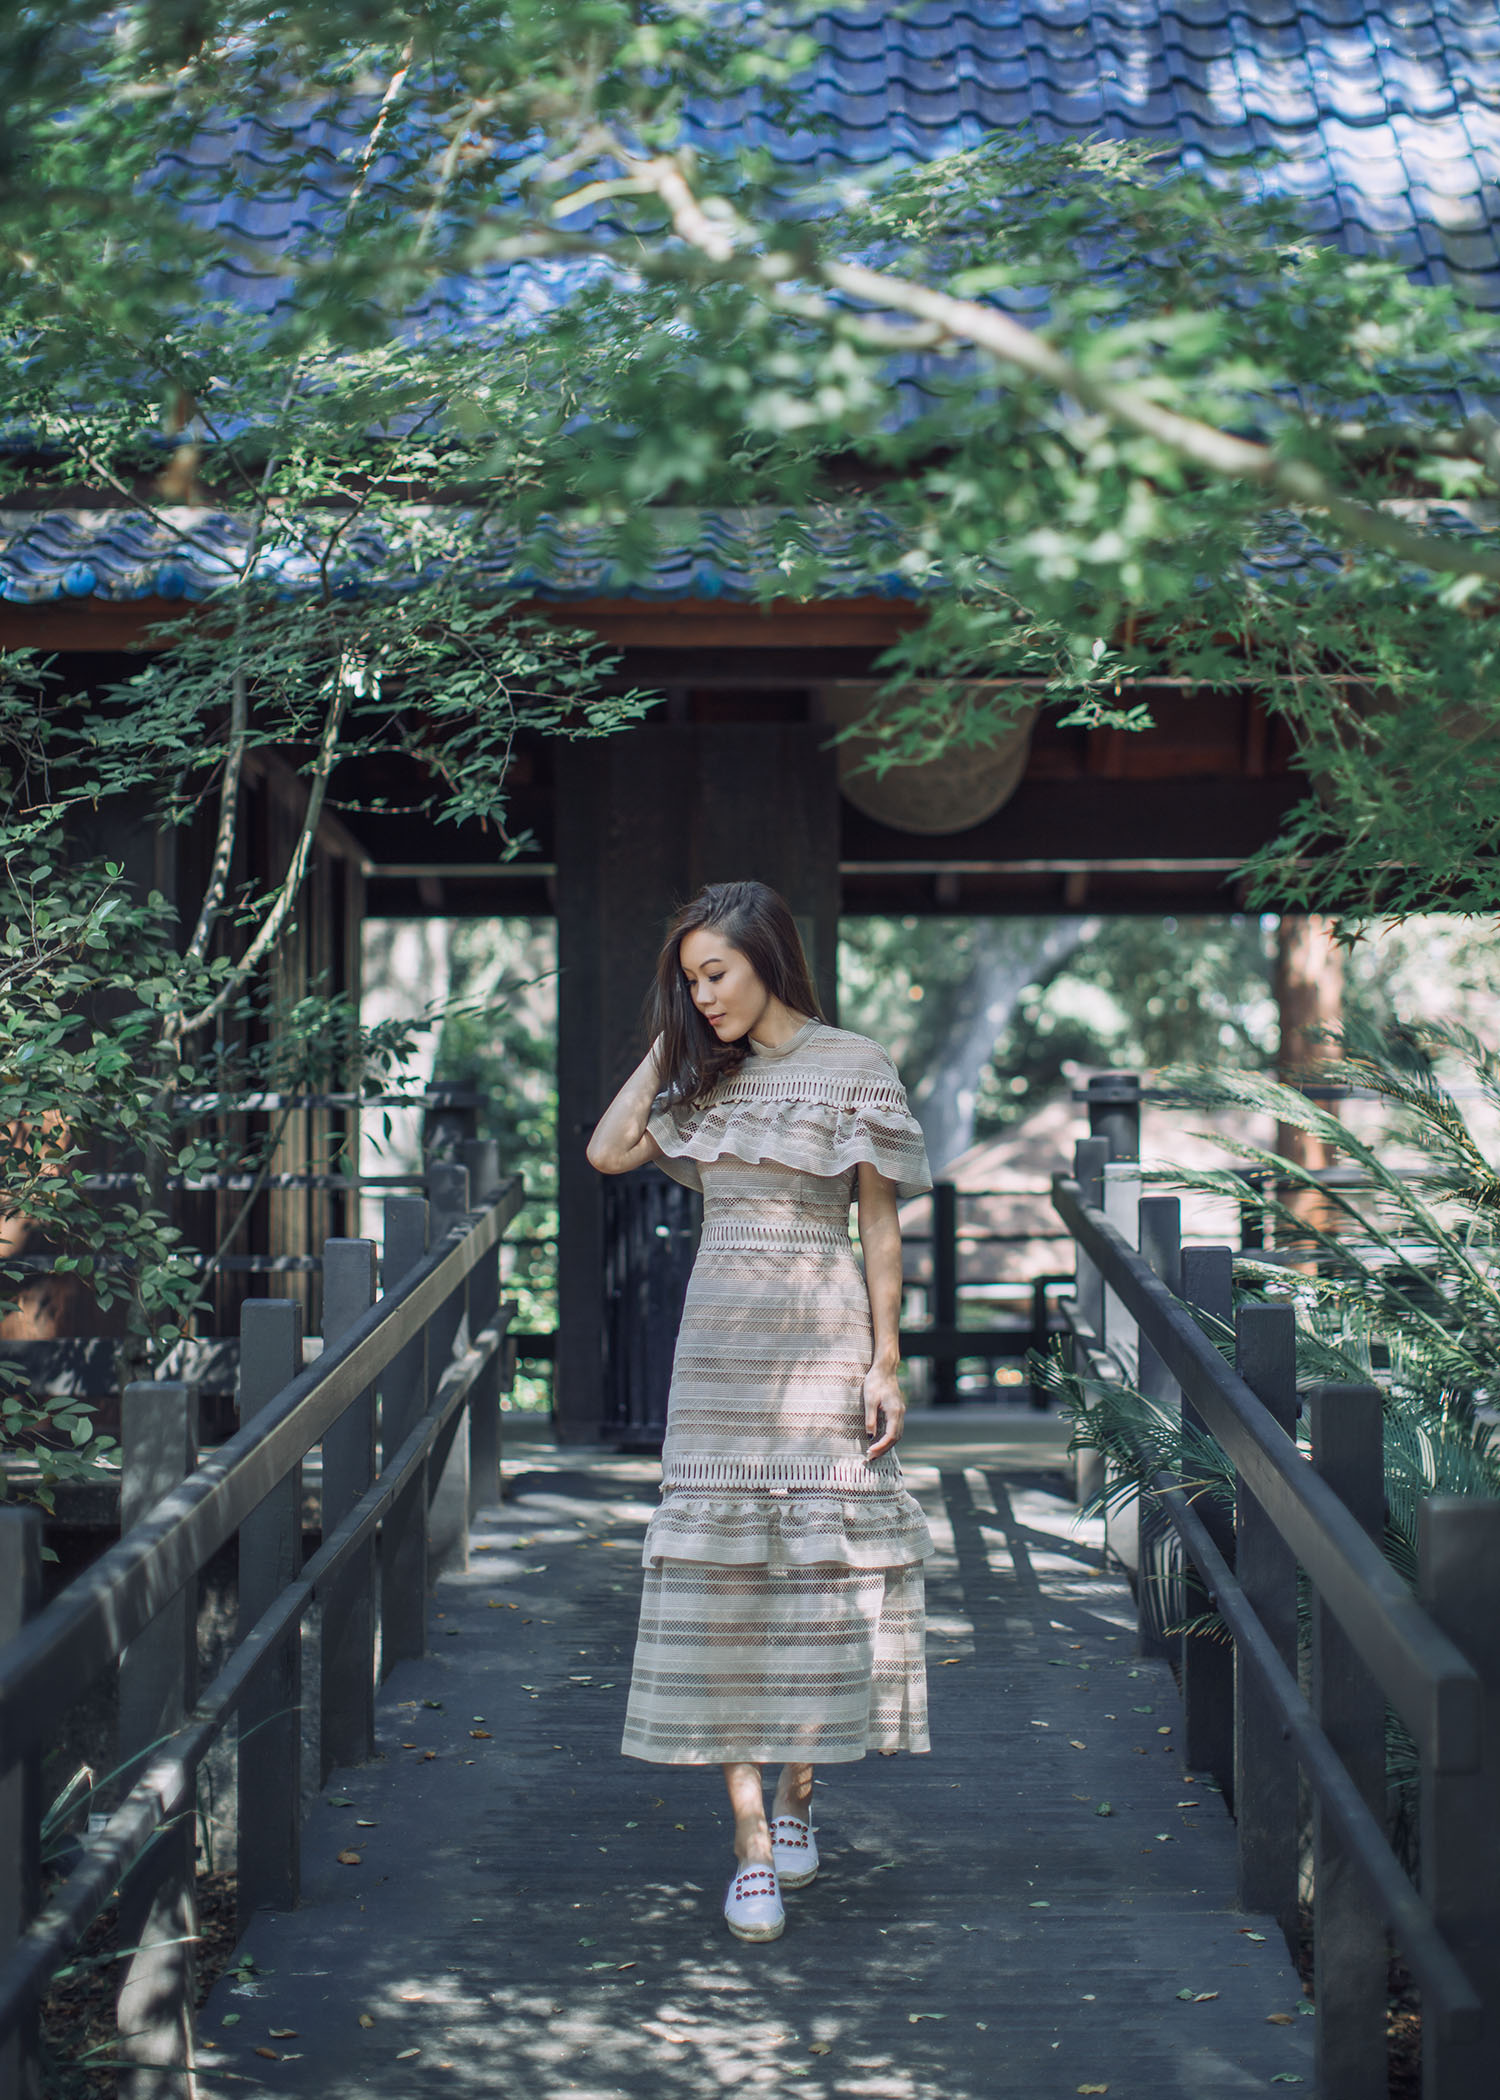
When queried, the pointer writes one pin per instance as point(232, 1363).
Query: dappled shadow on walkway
point(528, 1914)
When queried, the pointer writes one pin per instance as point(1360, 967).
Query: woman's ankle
point(794, 1797)
point(752, 1848)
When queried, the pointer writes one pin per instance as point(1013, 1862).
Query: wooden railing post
point(448, 1468)
point(20, 1799)
point(480, 1157)
point(944, 1290)
point(403, 1397)
point(1089, 1157)
point(1458, 1544)
point(270, 1731)
point(1121, 1204)
point(1349, 1941)
point(158, 1683)
point(1265, 1766)
point(1114, 1110)
point(1158, 1587)
point(1207, 1665)
point(346, 1724)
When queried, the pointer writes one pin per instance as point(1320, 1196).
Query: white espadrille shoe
point(752, 1908)
point(794, 1851)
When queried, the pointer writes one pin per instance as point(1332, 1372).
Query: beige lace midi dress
point(783, 1614)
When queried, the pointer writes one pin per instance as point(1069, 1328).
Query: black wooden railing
point(942, 1338)
point(1434, 1656)
point(434, 1345)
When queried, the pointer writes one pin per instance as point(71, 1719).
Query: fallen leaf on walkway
point(1286, 2078)
point(230, 2020)
point(435, 1704)
point(1039, 1906)
point(342, 1801)
point(1163, 1837)
point(1074, 1744)
point(819, 2048)
point(262, 2050)
point(1203, 1997)
point(365, 1823)
point(1142, 1709)
point(1104, 1809)
point(632, 1826)
point(481, 1735)
point(367, 2019)
point(428, 1756)
point(350, 1859)
point(535, 1571)
point(914, 2017)
point(404, 2056)
point(412, 1746)
point(587, 1943)
point(625, 1965)
point(949, 1659)
point(1280, 2020)
point(1093, 2089)
point(1165, 1731)
point(281, 2034)
point(1246, 1933)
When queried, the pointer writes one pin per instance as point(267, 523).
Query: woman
point(783, 1614)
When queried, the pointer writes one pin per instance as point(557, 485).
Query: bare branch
point(274, 923)
point(229, 801)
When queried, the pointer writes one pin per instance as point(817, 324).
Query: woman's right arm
point(620, 1140)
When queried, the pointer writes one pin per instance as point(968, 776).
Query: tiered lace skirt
point(783, 1613)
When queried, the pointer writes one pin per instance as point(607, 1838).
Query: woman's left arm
point(880, 1240)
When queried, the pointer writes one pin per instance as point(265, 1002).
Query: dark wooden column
point(643, 821)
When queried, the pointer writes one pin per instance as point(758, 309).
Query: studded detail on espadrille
point(752, 1908)
point(794, 1851)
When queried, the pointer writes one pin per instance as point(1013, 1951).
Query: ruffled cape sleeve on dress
point(823, 1113)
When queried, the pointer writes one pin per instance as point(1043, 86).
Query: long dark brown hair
point(756, 921)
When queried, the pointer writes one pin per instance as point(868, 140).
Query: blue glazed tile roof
point(187, 553)
point(741, 556)
point(1386, 114)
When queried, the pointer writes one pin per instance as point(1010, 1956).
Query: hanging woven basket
point(950, 793)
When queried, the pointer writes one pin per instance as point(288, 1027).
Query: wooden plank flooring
point(533, 1916)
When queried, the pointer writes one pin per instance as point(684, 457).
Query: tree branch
point(716, 232)
point(229, 799)
point(273, 924)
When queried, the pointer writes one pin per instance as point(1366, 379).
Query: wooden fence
point(1434, 1657)
point(434, 1345)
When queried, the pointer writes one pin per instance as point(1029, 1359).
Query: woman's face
point(721, 984)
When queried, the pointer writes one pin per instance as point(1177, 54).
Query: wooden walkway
point(500, 1904)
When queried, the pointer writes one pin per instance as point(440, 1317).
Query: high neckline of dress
point(792, 1042)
